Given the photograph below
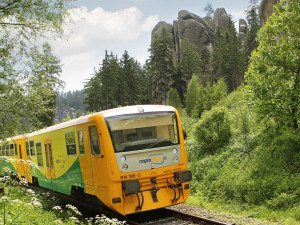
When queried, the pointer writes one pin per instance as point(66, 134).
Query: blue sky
point(119, 25)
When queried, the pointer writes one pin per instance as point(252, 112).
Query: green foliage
point(213, 132)
point(189, 61)
point(160, 67)
point(192, 95)
point(273, 75)
point(227, 57)
point(22, 23)
point(174, 100)
point(117, 82)
point(252, 29)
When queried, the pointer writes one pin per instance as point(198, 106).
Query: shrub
point(213, 132)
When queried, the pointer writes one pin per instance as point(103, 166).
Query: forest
point(239, 104)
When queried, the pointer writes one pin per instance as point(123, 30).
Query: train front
point(151, 157)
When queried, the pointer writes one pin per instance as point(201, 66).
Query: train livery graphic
point(130, 159)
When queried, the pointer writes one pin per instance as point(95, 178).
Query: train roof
point(127, 110)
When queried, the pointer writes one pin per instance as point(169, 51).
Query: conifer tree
point(253, 27)
point(161, 66)
point(192, 95)
point(189, 61)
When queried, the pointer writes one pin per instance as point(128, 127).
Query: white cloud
point(91, 33)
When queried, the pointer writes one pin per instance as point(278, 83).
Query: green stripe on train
point(62, 184)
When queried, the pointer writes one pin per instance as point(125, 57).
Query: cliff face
point(265, 10)
point(200, 31)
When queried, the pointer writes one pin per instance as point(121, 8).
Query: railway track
point(164, 216)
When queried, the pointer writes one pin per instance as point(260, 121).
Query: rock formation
point(200, 31)
point(242, 31)
point(265, 10)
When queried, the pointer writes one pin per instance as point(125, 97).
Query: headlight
point(175, 151)
point(123, 158)
point(175, 159)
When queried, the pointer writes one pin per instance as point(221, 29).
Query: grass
point(246, 214)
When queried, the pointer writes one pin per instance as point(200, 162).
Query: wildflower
point(74, 219)
point(57, 208)
point(17, 202)
point(74, 209)
point(4, 199)
point(57, 222)
point(29, 205)
point(30, 191)
point(24, 182)
point(37, 204)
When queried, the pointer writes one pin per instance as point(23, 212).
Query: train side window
point(27, 148)
point(94, 138)
point(81, 142)
point(7, 150)
point(32, 151)
point(70, 143)
point(39, 153)
point(47, 156)
point(11, 149)
point(16, 149)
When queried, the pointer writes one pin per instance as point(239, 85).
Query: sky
point(119, 25)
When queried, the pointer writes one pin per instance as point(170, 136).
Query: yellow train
point(130, 159)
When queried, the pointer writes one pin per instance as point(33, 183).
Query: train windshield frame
point(143, 131)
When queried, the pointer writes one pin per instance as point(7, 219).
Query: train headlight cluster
point(175, 151)
point(175, 159)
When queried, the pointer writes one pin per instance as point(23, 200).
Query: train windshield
point(143, 131)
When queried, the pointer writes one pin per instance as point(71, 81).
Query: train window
point(32, 151)
point(81, 142)
point(47, 156)
point(11, 149)
point(27, 148)
point(7, 150)
point(50, 155)
point(94, 138)
point(16, 149)
point(20, 149)
point(145, 131)
point(39, 153)
point(70, 143)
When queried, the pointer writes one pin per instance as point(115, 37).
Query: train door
point(19, 160)
point(85, 157)
point(49, 161)
point(26, 158)
point(95, 155)
point(22, 171)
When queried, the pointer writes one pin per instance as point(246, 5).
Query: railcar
point(131, 159)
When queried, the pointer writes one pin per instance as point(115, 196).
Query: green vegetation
point(19, 205)
point(28, 70)
point(244, 152)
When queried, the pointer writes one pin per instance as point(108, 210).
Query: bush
point(213, 132)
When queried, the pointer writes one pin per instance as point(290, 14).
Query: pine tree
point(189, 62)
point(174, 100)
point(192, 95)
point(253, 28)
point(161, 66)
